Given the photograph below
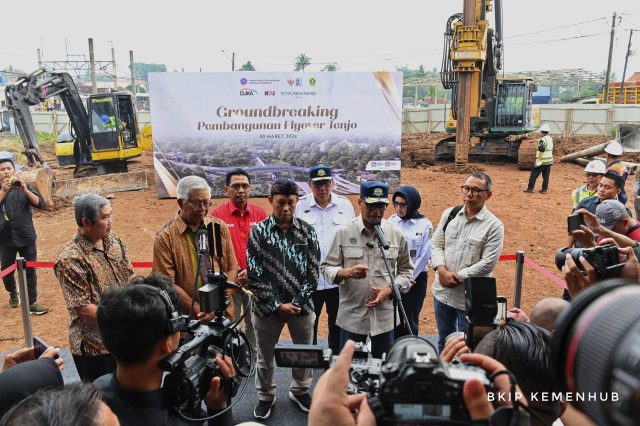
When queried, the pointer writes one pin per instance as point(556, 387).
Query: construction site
point(71, 133)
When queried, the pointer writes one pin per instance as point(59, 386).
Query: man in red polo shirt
point(240, 215)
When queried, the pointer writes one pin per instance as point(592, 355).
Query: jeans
point(331, 298)
point(8, 258)
point(545, 169)
point(448, 319)
point(412, 302)
point(380, 343)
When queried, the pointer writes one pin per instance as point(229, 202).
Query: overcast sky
point(357, 35)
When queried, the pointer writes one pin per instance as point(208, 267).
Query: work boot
point(36, 309)
point(543, 191)
point(14, 300)
point(529, 191)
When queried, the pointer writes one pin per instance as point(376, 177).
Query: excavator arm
point(32, 90)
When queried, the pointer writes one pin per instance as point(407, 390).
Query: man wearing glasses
point(469, 247)
point(174, 249)
point(325, 211)
point(240, 215)
point(355, 263)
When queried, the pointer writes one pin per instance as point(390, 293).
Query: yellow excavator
point(490, 117)
point(104, 135)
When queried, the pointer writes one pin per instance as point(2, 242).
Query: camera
point(192, 366)
point(411, 385)
point(595, 352)
point(15, 182)
point(604, 259)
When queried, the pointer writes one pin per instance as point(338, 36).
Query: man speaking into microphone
point(179, 243)
point(355, 263)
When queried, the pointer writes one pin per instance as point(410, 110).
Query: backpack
point(454, 211)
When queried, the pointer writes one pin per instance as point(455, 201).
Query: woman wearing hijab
point(417, 229)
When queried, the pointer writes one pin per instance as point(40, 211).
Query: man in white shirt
point(465, 244)
point(325, 211)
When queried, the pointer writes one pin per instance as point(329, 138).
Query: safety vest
point(547, 155)
point(580, 194)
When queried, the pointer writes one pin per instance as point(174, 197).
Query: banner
point(276, 125)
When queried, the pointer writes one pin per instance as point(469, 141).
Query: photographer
point(332, 406)
point(611, 220)
point(17, 234)
point(134, 324)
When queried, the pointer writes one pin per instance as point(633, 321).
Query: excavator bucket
point(132, 180)
point(629, 137)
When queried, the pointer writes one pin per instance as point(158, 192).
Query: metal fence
point(564, 119)
point(57, 122)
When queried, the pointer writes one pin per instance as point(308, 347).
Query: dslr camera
point(412, 385)
point(192, 366)
point(15, 181)
point(604, 259)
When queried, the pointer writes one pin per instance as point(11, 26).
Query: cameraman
point(17, 234)
point(133, 322)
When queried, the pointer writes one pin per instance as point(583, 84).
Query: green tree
point(302, 61)
point(247, 67)
point(330, 67)
point(143, 69)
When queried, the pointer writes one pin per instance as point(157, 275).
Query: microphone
point(201, 240)
point(380, 235)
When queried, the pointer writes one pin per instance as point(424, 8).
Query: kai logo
point(378, 192)
point(313, 82)
point(269, 92)
point(247, 92)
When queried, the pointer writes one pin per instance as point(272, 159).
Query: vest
point(547, 155)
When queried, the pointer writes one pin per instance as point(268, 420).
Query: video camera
point(412, 385)
point(192, 366)
point(484, 310)
point(604, 259)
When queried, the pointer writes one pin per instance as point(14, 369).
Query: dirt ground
point(534, 223)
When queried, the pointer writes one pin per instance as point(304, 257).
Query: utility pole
point(39, 58)
point(133, 76)
point(608, 76)
point(624, 72)
point(92, 67)
point(114, 72)
point(233, 61)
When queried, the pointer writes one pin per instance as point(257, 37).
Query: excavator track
point(527, 154)
point(427, 154)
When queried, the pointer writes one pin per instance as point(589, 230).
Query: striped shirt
point(282, 266)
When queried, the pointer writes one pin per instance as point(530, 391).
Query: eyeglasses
point(474, 191)
point(397, 204)
point(239, 186)
point(199, 204)
point(377, 206)
point(321, 183)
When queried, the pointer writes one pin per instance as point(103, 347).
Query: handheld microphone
point(201, 240)
point(380, 235)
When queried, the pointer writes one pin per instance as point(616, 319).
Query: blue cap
point(374, 192)
point(320, 172)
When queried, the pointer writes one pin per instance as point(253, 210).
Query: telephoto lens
point(596, 352)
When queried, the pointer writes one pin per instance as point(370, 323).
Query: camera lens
point(596, 354)
point(561, 256)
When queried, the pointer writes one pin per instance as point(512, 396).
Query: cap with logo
point(609, 212)
point(374, 192)
point(320, 172)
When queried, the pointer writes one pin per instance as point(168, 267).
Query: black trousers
point(8, 257)
point(413, 301)
point(331, 298)
point(545, 169)
point(91, 367)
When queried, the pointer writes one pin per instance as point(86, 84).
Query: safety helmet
point(614, 148)
point(104, 118)
point(544, 128)
point(596, 166)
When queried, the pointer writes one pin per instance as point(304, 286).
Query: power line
point(557, 28)
point(556, 39)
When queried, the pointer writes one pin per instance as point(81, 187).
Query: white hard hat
point(614, 148)
point(595, 166)
point(544, 128)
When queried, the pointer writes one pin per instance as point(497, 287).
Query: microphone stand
point(395, 296)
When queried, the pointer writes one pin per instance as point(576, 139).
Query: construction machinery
point(104, 135)
point(490, 116)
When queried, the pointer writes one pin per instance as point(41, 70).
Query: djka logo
point(269, 92)
point(243, 81)
point(248, 92)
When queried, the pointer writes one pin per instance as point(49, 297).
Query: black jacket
point(16, 222)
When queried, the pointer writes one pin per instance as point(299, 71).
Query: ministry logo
point(243, 81)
